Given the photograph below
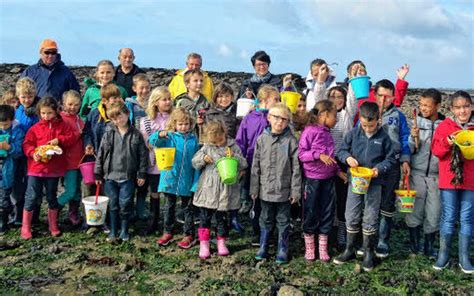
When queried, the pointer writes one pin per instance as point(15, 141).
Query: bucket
point(465, 141)
point(228, 170)
point(360, 86)
point(405, 200)
point(360, 179)
point(165, 158)
point(4, 138)
point(95, 213)
point(291, 100)
point(87, 172)
point(244, 106)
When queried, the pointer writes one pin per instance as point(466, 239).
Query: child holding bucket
point(180, 180)
point(213, 197)
point(367, 146)
point(424, 174)
point(158, 112)
point(316, 151)
point(122, 161)
point(251, 127)
point(50, 130)
point(456, 181)
point(72, 180)
point(276, 180)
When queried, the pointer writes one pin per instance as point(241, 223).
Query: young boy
point(11, 138)
point(9, 98)
point(369, 146)
point(424, 174)
point(395, 125)
point(122, 160)
point(276, 180)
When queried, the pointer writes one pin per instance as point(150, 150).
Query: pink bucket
point(87, 172)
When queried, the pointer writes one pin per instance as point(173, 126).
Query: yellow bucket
point(465, 141)
point(165, 158)
point(291, 100)
point(406, 200)
point(360, 179)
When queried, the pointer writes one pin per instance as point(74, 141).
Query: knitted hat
point(48, 44)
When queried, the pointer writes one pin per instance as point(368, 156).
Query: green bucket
point(228, 170)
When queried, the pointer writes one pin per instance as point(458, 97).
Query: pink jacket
point(147, 127)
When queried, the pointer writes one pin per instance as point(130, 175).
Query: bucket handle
point(82, 158)
point(406, 183)
point(97, 190)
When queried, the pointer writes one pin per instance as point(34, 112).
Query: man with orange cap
point(52, 77)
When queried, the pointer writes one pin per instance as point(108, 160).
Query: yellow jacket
point(177, 86)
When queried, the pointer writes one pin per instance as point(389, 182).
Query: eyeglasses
point(50, 52)
point(283, 119)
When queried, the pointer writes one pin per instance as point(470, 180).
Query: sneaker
point(105, 229)
point(187, 242)
point(165, 239)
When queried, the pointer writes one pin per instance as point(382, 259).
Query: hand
point(375, 172)
point(89, 150)
point(249, 93)
point(406, 168)
point(328, 160)
point(36, 157)
point(253, 196)
point(241, 174)
point(352, 162)
point(287, 81)
point(293, 200)
point(415, 132)
point(208, 159)
point(54, 142)
point(140, 182)
point(163, 134)
point(403, 71)
point(98, 182)
point(323, 73)
point(4, 146)
point(343, 176)
point(357, 70)
point(450, 139)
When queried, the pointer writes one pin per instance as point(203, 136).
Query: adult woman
point(261, 63)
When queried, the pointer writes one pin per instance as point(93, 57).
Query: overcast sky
point(434, 37)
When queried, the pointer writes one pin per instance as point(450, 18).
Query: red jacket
point(76, 151)
point(40, 134)
point(441, 149)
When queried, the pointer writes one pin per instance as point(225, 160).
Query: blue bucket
point(360, 86)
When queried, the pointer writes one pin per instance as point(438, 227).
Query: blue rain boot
point(263, 251)
point(385, 227)
point(443, 254)
point(283, 247)
point(114, 220)
point(124, 236)
point(234, 222)
point(140, 206)
point(464, 247)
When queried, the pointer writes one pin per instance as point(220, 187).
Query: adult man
point(177, 86)
point(50, 74)
point(126, 70)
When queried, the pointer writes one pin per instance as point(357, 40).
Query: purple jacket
point(251, 127)
point(316, 140)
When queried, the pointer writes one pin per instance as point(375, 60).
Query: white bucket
point(243, 106)
point(95, 213)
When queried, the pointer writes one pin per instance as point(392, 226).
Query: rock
point(289, 291)
point(266, 292)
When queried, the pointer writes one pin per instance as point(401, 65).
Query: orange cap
point(48, 44)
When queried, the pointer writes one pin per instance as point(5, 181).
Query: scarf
point(261, 79)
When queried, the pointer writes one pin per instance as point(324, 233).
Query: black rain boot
point(3, 221)
point(464, 247)
point(385, 228)
point(114, 220)
point(124, 235)
point(349, 252)
point(429, 245)
point(369, 244)
point(154, 216)
point(414, 239)
point(443, 254)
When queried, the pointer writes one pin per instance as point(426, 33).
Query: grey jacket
point(423, 162)
point(276, 173)
point(211, 192)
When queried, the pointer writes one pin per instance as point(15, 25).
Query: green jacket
point(92, 97)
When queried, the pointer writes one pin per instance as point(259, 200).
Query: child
point(368, 146)
point(51, 130)
point(122, 160)
point(320, 78)
point(250, 129)
point(9, 98)
point(212, 196)
point(104, 74)
point(456, 187)
point(158, 112)
point(10, 149)
point(300, 119)
point(72, 180)
point(276, 180)
point(316, 152)
point(181, 178)
point(395, 125)
point(424, 174)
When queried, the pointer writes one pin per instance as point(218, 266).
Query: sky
point(436, 38)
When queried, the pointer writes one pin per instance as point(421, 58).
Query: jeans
point(275, 213)
point(318, 205)
point(221, 219)
point(427, 207)
point(367, 206)
point(170, 213)
point(72, 190)
point(454, 204)
point(121, 197)
point(34, 192)
point(390, 184)
point(20, 183)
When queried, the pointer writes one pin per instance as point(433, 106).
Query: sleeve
point(99, 162)
point(389, 162)
point(255, 171)
point(73, 84)
point(84, 111)
point(439, 145)
point(87, 132)
point(401, 87)
point(67, 136)
point(319, 91)
point(411, 141)
point(241, 137)
point(296, 173)
point(351, 105)
point(198, 158)
point(156, 141)
point(143, 156)
point(404, 134)
point(311, 146)
point(238, 154)
point(16, 150)
point(29, 144)
point(345, 149)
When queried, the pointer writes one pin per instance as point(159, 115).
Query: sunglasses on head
point(50, 52)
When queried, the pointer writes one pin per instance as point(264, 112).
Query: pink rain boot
point(26, 224)
point(323, 248)
point(221, 247)
point(53, 222)
point(204, 236)
point(309, 247)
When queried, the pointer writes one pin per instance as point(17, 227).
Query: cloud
point(244, 54)
point(224, 50)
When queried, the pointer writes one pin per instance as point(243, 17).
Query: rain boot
point(263, 250)
point(414, 239)
point(429, 245)
point(154, 216)
point(309, 254)
point(385, 228)
point(443, 254)
point(3, 221)
point(222, 249)
point(369, 244)
point(204, 235)
point(341, 234)
point(140, 206)
point(74, 212)
point(323, 248)
point(349, 252)
point(234, 222)
point(124, 235)
point(464, 247)
point(114, 217)
point(283, 247)
point(18, 213)
point(53, 222)
point(26, 224)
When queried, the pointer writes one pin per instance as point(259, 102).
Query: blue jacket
point(136, 111)
point(25, 121)
point(52, 80)
point(182, 179)
point(395, 125)
point(95, 128)
point(17, 135)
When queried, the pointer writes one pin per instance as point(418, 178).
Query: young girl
point(72, 179)
point(104, 74)
point(300, 119)
point(457, 194)
point(51, 130)
point(158, 113)
point(212, 196)
point(316, 152)
point(179, 181)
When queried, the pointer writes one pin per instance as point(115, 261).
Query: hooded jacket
point(136, 111)
point(96, 125)
point(395, 125)
point(16, 137)
point(92, 97)
point(177, 86)
point(251, 127)
point(227, 116)
point(26, 119)
point(76, 151)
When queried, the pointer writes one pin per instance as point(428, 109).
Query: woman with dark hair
point(261, 63)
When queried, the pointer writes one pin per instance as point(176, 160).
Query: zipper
point(429, 155)
point(182, 162)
